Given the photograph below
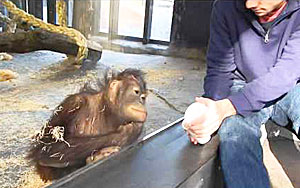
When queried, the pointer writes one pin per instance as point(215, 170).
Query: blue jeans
point(240, 149)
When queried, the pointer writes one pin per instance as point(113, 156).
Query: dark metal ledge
point(165, 160)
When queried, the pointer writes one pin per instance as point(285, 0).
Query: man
point(253, 67)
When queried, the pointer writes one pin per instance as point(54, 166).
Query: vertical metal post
point(97, 13)
point(26, 6)
point(23, 3)
point(51, 4)
point(78, 8)
point(69, 10)
point(31, 7)
point(83, 17)
point(18, 3)
point(113, 18)
point(148, 21)
point(36, 8)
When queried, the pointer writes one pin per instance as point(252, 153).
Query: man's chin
point(260, 14)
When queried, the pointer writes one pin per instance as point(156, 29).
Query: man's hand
point(210, 122)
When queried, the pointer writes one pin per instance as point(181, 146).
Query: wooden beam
point(28, 41)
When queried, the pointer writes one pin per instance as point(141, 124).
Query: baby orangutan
point(91, 125)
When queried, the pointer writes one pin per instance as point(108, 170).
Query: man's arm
point(218, 80)
point(278, 81)
point(220, 55)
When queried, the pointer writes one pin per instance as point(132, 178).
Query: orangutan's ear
point(113, 90)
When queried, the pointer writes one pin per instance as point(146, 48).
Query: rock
point(5, 57)
point(196, 67)
point(6, 74)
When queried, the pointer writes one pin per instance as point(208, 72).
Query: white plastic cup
point(191, 117)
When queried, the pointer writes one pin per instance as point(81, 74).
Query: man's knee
point(225, 129)
point(230, 128)
point(287, 109)
point(236, 129)
point(293, 96)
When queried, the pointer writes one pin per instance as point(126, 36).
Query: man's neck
point(274, 14)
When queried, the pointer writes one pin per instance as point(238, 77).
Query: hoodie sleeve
point(280, 79)
point(220, 56)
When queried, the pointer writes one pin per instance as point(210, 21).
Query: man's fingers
point(201, 132)
point(205, 132)
point(192, 139)
point(207, 125)
point(185, 125)
point(202, 100)
point(199, 99)
point(203, 125)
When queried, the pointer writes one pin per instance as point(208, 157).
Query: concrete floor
point(44, 80)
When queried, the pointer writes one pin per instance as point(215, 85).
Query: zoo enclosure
point(152, 21)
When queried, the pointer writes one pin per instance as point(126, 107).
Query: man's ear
point(113, 90)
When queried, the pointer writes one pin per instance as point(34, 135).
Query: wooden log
point(28, 41)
